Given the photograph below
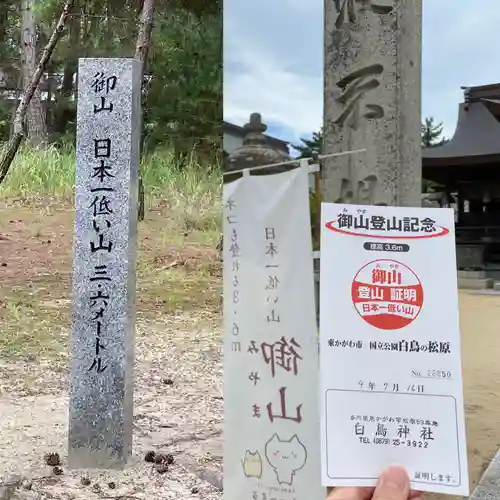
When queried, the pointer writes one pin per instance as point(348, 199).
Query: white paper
point(271, 365)
point(390, 361)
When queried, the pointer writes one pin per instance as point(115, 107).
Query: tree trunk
point(4, 20)
point(64, 112)
point(141, 54)
point(22, 109)
point(36, 125)
point(19, 86)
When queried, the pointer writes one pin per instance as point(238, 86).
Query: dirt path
point(183, 419)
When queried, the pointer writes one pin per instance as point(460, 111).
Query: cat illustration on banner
point(252, 464)
point(285, 457)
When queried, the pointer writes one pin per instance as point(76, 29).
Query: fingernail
point(395, 477)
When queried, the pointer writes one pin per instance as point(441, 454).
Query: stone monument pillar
point(104, 263)
point(372, 95)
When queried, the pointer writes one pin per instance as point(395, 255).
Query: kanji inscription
point(353, 88)
point(348, 10)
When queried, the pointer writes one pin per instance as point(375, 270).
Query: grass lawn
point(178, 266)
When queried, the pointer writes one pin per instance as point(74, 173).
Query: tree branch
point(144, 35)
point(20, 116)
point(141, 54)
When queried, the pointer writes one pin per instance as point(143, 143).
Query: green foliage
point(431, 136)
point(313, 212)
point(310, 147)
point(51, 172)
point(9, 35)
point(431, 133)
point(199, 7)
point(183, 96)
point(5, 119)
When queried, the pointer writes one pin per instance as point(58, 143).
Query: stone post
point(372, 100)
point(104, 264)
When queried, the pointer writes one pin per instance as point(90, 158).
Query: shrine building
point(468, 170)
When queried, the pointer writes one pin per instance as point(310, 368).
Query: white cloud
point(280, 95)
point(273, 54)
point(273, 63)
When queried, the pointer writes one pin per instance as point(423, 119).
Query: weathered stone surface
point(9, 485)
point(475, 283)
point(471, 274)
point(372, 100)
point(102, 344)
point(214, 477)
point(489, 485)
point(256, 151)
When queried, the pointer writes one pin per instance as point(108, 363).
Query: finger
point(368, 493)
point(415, 495)
point(350, 493)
point(393, 484)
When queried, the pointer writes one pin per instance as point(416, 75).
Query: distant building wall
point(231, 141)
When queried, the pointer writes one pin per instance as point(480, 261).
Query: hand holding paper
point(393, 484)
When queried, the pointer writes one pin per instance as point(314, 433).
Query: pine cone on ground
point(57, 471)
point(165, 459)
point(52, 459)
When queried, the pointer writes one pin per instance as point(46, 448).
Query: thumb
point(393, 484)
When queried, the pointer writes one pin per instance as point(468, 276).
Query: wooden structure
point(468, 169)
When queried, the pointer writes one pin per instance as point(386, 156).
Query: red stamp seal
point(387, 294)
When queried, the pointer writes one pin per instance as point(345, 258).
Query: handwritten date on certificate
point(389, 387)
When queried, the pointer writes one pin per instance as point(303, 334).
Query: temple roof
point(477, 135)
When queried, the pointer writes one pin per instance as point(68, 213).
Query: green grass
point(28, 327)
point(183, 219)
point(51, 172)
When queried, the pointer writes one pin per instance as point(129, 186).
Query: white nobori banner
point(272, 438)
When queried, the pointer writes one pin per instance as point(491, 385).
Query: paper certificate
point(391, 381)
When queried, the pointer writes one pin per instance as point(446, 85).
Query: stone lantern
point(255, 152)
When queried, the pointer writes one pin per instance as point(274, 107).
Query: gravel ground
point(183, 418)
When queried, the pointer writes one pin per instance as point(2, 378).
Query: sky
point(273, 60)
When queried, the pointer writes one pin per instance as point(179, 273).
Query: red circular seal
point(387, 294)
